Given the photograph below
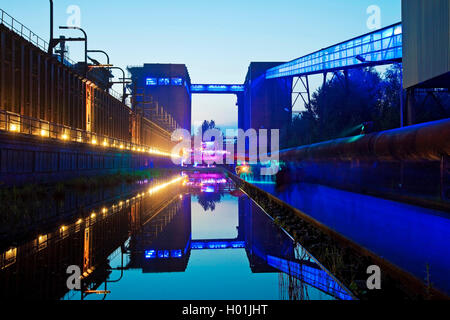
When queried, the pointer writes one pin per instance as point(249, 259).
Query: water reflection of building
point(163, 243)
point(35, 268)
point(152, 233)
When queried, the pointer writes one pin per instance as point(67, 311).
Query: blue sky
point(215, 39)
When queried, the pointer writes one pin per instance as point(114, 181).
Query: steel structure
point(380, 47)
point(217, 88)
point(43, 96)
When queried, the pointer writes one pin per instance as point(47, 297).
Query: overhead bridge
point(380, 47)
point(217, 88)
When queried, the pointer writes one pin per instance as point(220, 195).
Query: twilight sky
point(215, 39)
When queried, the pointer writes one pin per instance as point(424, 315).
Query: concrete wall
point(24, 159)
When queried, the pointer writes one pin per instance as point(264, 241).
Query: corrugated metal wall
point(426, 40)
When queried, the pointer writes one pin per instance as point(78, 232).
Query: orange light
point(94, 142)
point(13, 128)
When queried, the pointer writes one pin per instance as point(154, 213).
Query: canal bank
point(347, 256)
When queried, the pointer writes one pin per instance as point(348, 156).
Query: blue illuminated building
point(164, 85)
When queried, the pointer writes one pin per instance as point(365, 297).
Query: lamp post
point(123, 82)
point(124, 95)
point(79, 39)
point(101, 51)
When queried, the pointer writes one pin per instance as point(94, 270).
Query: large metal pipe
point(424, 142)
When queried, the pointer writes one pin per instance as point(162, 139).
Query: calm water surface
point(180, 238)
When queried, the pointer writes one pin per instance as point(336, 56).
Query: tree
point(207, 125)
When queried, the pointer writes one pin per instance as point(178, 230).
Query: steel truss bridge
point(380, 47)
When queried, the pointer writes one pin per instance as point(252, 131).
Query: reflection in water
point(209, 188)
point(413, 238)
point(150, 246)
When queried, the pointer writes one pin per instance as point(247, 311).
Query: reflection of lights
point(163, 254)
point(162, 186)
point(208, 189)
point(150, 254)
point(198, 245)
point(176, 254)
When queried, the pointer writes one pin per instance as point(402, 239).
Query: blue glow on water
point(213, 269)
point(410, 237)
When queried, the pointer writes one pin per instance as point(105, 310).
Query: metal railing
point(22, 31)
point(378, 47)
point(19, 124)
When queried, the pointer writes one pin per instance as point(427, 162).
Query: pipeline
point(423, 142)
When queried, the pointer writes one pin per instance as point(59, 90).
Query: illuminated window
point(151, 81)
point(177, 81)
point(163, 81)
